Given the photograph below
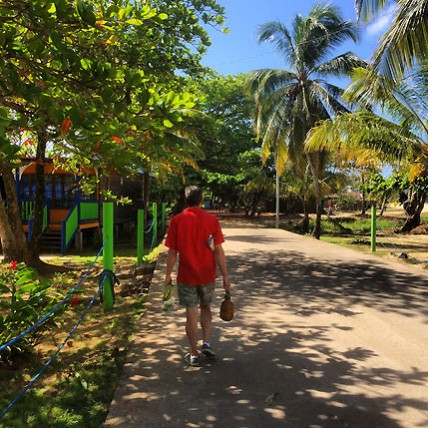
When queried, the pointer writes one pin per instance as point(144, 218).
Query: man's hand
point(170, 262)
point(226, 283)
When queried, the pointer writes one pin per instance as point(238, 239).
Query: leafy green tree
point(380, 189)
point(291, 102)
point(226, 161)
point(229, 141)
point(91, 76)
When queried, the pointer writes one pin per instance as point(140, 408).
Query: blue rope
point(383, 245)
point(43, 369)
point(152, 243)
point(149, 229)
point(391, 243)
point(54, 309)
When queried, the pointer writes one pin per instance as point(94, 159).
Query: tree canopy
point(99, 80)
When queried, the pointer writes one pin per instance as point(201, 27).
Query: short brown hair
point(193, 195)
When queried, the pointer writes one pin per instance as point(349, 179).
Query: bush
point(347, 203)
point(23, 301)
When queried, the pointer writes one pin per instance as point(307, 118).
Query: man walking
point(196, 237)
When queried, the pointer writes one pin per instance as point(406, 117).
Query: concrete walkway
point(323, 337)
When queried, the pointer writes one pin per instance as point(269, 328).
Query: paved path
point(323, 337)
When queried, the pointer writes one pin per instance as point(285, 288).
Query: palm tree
point(367, 139)
point(404, 44)
point(290, 102)
point(397, 82)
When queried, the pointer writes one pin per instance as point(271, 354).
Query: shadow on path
point(312, 345)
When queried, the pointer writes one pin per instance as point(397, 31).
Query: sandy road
point(323, 337)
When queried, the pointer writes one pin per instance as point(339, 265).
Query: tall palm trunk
point(313, 165)
point(363, 195)
point(305, 221)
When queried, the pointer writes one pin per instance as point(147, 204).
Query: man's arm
point(170, 262)
point(221, 261)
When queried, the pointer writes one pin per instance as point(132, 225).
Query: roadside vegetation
point(78, 386)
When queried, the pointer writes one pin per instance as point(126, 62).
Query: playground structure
point(67, 212)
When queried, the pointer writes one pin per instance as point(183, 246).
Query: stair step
point(51, 242)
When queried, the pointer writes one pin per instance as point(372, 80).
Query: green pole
point(140, 236)
point(155, 223)
point(373, 229)
point(108, 253)
point(163, 217)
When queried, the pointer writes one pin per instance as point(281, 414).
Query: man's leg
point(192, 329)
point(206, 321)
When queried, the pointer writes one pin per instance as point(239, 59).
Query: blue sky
point(239, 52)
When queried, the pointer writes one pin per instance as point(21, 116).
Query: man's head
point(193, 195)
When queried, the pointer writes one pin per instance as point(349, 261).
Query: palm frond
point(375, 137)
point(368, 9)
point(276, 33)
point(405, 42)
point(262, 83)
point(322, 31)
point(340, 65)
point(407, 102)
point(327, 99)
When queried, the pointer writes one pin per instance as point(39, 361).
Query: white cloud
point(382, 23)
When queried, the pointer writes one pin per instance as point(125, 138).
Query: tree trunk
point(413, 207)
point(39, 202)
point(11, 230)
point(254, 204)
point(305, 221)
point(383, 205)
point(276, 198)
point(10, 250)
point(363, 196)
point(318, 194)
point(14, 212)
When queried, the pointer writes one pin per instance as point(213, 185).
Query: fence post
point(140, 236)
point(108, 294)
point(373, 229)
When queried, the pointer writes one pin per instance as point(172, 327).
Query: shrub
point(24, 299)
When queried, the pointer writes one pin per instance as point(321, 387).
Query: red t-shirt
point(188, 234)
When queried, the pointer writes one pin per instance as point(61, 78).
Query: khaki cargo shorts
point(194, 295)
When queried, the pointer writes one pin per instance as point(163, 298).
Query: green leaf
point(25, 276)
point(168, 123)
point(134, 21)
point(112, 10)
point(28, 288)
point(86, 63)
point(52, 9)
point(163, 16)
